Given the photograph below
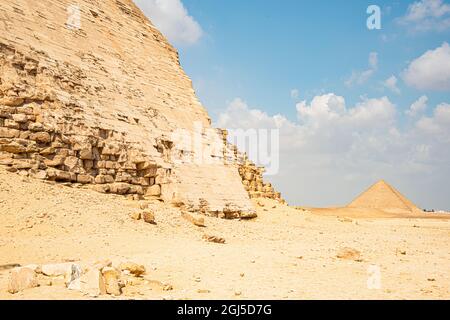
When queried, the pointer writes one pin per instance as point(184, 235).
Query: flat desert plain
point(285, 253)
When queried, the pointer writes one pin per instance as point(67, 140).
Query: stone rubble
point(95, 279)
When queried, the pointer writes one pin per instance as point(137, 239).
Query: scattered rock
point(195, 219)
point(214, 239)
point(349, 254)
point(148, 217)
point(21, 279)
point(135, 215)
point(203, 291)
point(134, 268)
point(168, 287)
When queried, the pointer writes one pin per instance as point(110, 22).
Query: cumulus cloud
point(427, 15)
point(361, 77)
point(172, 19)
point(431, 70)
point(418, 107)
point(332, 151)
point(438, 124)
point(391, 84)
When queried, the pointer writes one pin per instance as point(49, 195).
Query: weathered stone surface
point(92, 283)
point(56, 269)
point(111, 277)
point(21, 279)
point(134, 268)
point(77, 98)
point(154, 190)
point(43, 137)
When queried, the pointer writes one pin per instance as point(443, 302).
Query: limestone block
point(21, 279)
point(154, 190)
point(119, 187)
point(111, 277)
point(20, 118)
point(13, 147)
point(43, 137)
point(9, 133)
point(92, 283)
point(85, 178)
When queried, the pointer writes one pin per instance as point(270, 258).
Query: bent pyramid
point(384, 197)
point(92, 93)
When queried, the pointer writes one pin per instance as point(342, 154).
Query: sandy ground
point(285, 253)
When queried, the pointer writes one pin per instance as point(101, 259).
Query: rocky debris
point(252, 179)
point(111, 277)
point(148, 217)
point(347, 253)
point(57, 269)
point(136, 215)
point(214, 239)
point(133, 268)
point(167, 287)
point(195, 219)
point(21, 279)
point(95, 279)
point(92, 283)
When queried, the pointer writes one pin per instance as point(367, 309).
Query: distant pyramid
point(384, 197)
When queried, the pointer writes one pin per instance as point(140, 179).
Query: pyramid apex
point(383, 196)
point(382, 181)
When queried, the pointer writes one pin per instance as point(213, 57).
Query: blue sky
point(352, 105)
point(260, 51)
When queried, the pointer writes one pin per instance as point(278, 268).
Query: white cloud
point(418, 107)
point(295, 93)
point(361, 77)
point(332, 151)
point(172, 19)
point(427, 15)
point(391, 84)
point(431, 70)
point(438, 123)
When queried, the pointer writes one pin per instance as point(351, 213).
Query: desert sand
point(285, 253)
